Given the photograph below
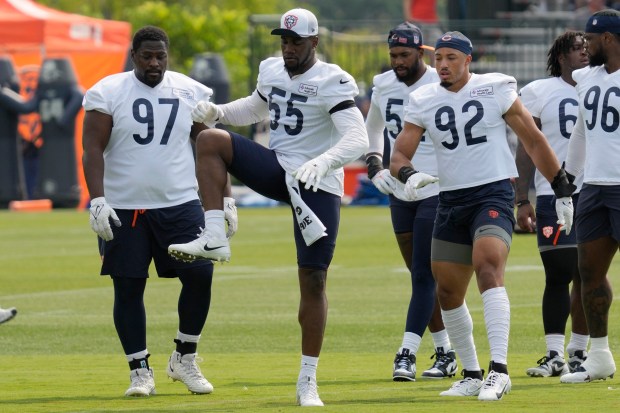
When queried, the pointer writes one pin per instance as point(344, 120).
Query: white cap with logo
point(297, 23)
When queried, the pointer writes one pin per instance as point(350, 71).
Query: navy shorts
point(404, 213)
point(547, 230)
point(598, 213)
point(258, 168)
point(461, 213)
point(145, 235)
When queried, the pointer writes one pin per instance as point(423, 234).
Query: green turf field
point(61, 353)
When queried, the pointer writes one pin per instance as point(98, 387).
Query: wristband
point(523, 202)
point(561, 186)
point(374, 165)
point(404, 173)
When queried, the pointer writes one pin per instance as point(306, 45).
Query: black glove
point(562, 185)
point(374, 165)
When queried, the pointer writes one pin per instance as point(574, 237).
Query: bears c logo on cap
point(290, 21)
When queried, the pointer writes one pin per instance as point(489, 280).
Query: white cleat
point(204, 247)
point(308, 392)
point(7, 314)
point(598, 366)
point(495, 386)
point(549, 366)
point(469, 386)
point(142, 383)
point(185, 369)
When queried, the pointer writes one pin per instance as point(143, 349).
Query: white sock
point(599, 343)
point(215, 223)
point(308, 366)
point(137, 356)
point(187, 338)
point(411, 341)
point(577, 342)
point(497, 321)
point(555, 342)
point(460, 328)
point(441, 339)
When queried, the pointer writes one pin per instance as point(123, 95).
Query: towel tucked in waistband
point(310, 225)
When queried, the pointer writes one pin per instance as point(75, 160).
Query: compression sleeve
point(245, 111)
point(576, 157)
point(374, 128)
point(354, 142)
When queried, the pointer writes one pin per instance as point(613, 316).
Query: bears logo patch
point(290, 21)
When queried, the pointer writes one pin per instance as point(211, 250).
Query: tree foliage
point(194, 27)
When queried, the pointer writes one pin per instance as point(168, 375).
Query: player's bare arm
point(533, 140)
point(96, 134)
point(405, 146)
point(526, 217)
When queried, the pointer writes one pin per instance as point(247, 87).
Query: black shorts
point(145, 235)
point(466, 214)
point(598, 213)
point(258, 168)
point(547, 230)
point(405, 213)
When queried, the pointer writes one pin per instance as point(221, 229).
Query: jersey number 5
point(290, 111)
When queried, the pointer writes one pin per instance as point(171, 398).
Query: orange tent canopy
point(30, 32)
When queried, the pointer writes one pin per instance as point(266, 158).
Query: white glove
point(416, 181)
point(312, 172)
point(384, 182)
point(399, 192)
point(207, 113)
point(230, 215)
point(100, 215)
point(564, 209)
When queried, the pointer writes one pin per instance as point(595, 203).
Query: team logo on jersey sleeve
point(305, 89)
point(483, 91)
point(182, 93)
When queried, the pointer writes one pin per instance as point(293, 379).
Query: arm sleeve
point(245, 111)
point(374, 128)
point(354, 142)
point(576, 157)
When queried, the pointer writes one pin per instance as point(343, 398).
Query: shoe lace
point(463, 383)
point(403, 361)
point(544, 360)
point(309, 388)
point(140, 380)
point(441, 359)
point(192, 368)
point(491, 380)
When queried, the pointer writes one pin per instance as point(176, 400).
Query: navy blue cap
point(405, 35)
point(455, 40)
point(602, 22)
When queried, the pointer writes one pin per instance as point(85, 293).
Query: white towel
point(310, 225)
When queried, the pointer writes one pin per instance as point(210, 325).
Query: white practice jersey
point(148, 160)
point(389, 98)
point(599, 107)
point(554, 102)
point(467, 129)
point(301, 127)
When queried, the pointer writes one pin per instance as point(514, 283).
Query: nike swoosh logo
point(207, 248)
point(500, 394)
point(342, 82)
point(98, 209)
